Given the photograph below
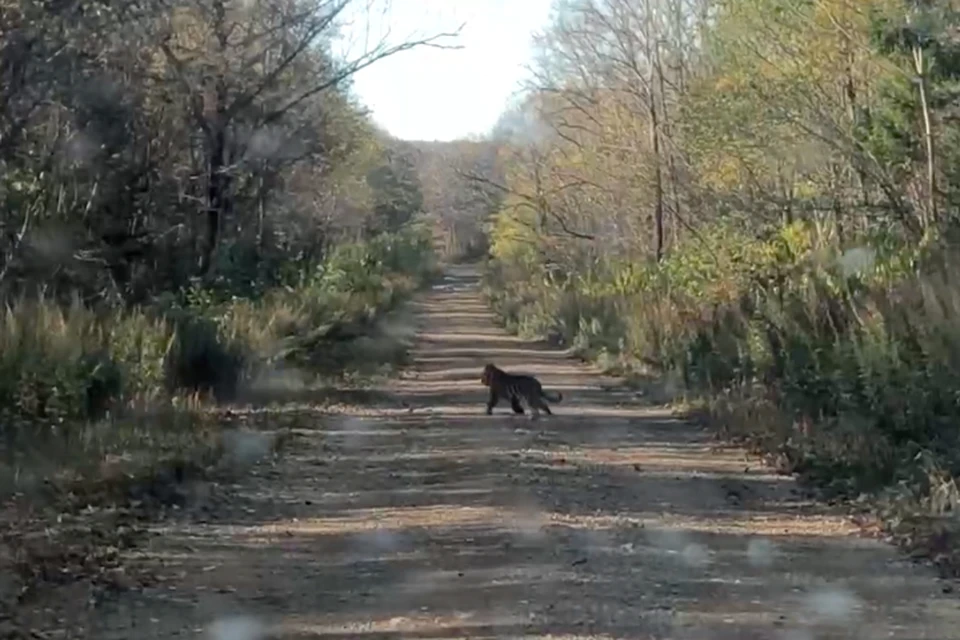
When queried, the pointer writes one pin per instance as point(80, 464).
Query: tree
point(648, 119)
point(396, 191)
point(139, 141)
point(230, 63)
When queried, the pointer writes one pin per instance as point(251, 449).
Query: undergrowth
point(80, 387)
point(843, 364)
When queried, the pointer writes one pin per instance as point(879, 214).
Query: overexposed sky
point(437, 94)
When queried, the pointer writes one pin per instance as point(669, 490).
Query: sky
point(438, 94)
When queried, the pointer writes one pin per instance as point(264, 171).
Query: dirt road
point(421, 517)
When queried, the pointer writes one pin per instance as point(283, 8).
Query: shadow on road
point(428, 519)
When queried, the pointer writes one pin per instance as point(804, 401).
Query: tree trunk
point(671, 165)
point(850, 90)
point(218, 178)
point(218, 197)
point(927, 134)
point(657, 181)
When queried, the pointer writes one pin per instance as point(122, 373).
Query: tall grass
point(844, 363)
point(89, 383)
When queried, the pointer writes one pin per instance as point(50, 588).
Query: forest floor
point(412, 514)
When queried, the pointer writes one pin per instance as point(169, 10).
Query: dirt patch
point(418, 516)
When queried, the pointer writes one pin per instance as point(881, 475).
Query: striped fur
point(516, 388)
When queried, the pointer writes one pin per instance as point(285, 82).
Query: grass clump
point(843, 364)
point(78, 385)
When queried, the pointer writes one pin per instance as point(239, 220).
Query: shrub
point(61, 367)
point(858, 350)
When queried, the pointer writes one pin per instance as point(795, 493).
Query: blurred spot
point(278, 379)
point(353, 431)
point(79, 150)
point(671, 387)
point(377, 545)
point(400, 328)
point(264, 143)
point(594, 541)
point(696, 555)
point(50, 246)
point(832, 604)
point(244, 447)
point(857, 260)
point(795, 634)
point(676, 542)
point(524, 127)
point(528, 522)
point(376, 541)
point(667, 539)
point(428, 580)
point(761, 552)
point(237, 628)
point(613, 431)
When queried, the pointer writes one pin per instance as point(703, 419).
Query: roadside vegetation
point(754, 202)
point(195, 211)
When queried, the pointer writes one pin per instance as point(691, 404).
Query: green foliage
point(396, 191)
point(772, 226)
point(837, 338)
point(140, 348)
point(61, 367)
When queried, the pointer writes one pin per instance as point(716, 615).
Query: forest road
point(422, 517)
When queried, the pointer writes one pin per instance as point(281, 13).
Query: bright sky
point(437, 94)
